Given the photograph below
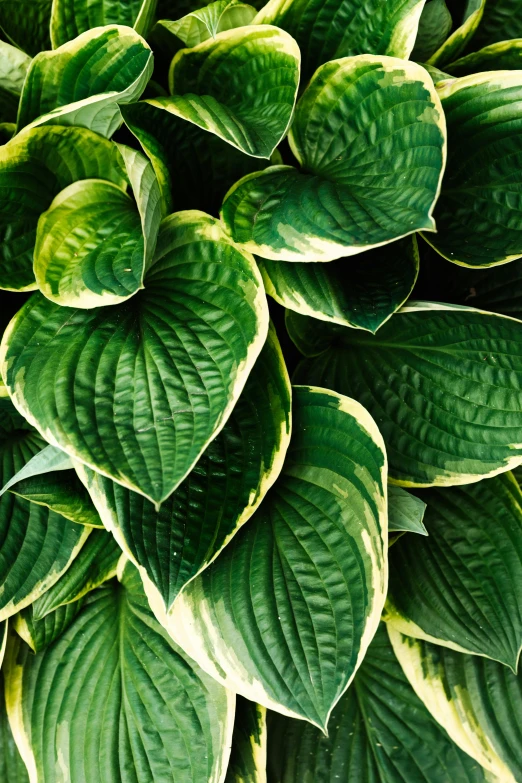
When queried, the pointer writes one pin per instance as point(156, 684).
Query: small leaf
point(316, 548)
point(248, 758)
point(39, 634)
point(500, 22)
point(62, 492)
point(504, 56)
point(140, 706)
point(434, 27)
point(207, 22)
point(405, 512)
point(12, 768)
point(466, 18)
point(48, 460)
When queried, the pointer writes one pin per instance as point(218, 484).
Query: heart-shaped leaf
point(198, 26)
point(229, 481)
point(160, 373)
point(441, 381)
point(69, 18)
point(248, 757)
point(370, 173)
point(83, 81)
point(343, 28)
point(34, 167)
point(162, 717)
point(316, 548)
point(362, 292)
point(476, 700)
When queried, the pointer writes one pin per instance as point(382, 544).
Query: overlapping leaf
point(434, 27)
point(144, 409)
point(26, 24)
point(442, 383)
point(69, 18)
point(12, 768)
point(500, 22)
point(162, 717)
point(476, 700)
point(39, 634)
point(83, 81)
point(229, 481)
point(369, 134)
point(405, 512)
point(466, 19)
point(462, 586)
point(204, 23)
point(506, 55)
point(248, 757)
point(13, 68)
point(316, 548)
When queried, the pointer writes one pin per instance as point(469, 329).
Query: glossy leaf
point(25, 23)
point(83, 81)
point(248, 758)
point(218, 496)
point(379, 732)
point(184, 155)
point(240, 85)
point(478, 213)
point(362, 292)
point(95, 564)
point(476, 700)
point(202, 295)
point(442, 383)
point(496, 288)
point(466, 17)
point(62, 492)
point(204, 23)
point(34, 167)
point(434, 27)
point(405, 512)
point(316, 548)
point(19, 442)
point(462, 586)
point(501, 21)
point(504, 56)
point(163, 718)
point(39, 634)
point(48, 460)
point(71, 17)
point(363, 131)
point(13, 67)
point(12, 768)
point(343, 28)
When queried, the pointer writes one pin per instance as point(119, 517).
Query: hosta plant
point(261, 391)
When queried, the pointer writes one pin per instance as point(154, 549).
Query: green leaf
point(207, 22)
point(371, 169)
point(343, 28)
point(48, 460)
point(3, 640)
point(478, 214)
point(71, 17)
point(379, 732)
point(467, 17)
point(502, 20)
point(223, 490)
point(96, 562)
point(12, 768)
point(83, 81)
point(183, 156)
point(442, 382)
point(39, 634)
point(504, 56)
point(7, 131)
point(434, 27)
point(25, 23)
point(19, 442)
point(362, 292)
point(476, 700)
point(62, 492)
point(285, 614)
point(405, 512)
point(34, 167)
point(497, 288)
point(240, 85)
point(248, 758)
point(462, 586)
point(142, 709)
point(160, 373)
point(13, 67)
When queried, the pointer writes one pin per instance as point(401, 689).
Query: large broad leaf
point(172, 545)
point(477, 701)
point(380, 732)
point(96, 562)
point(95, 243)
point(405, 512)
point(343, 28)
point(466, 18)
point(69, 18)
point(248, 757)
point(434, 27)
point(442, 382)
point(12, 768)
point(25, 23)
point(184, 155)
point(240, 85)
point(479, 213)
point(370, 171)
point(504, 56)
point(501, 21)
point(362, 292)
point(83, 81)
point(13, 68)
point(160, 373)
point(204, 23)
point(462, 586)
point(141, 709)
point(34, 167)
point(39, 634)
point(285, 614)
